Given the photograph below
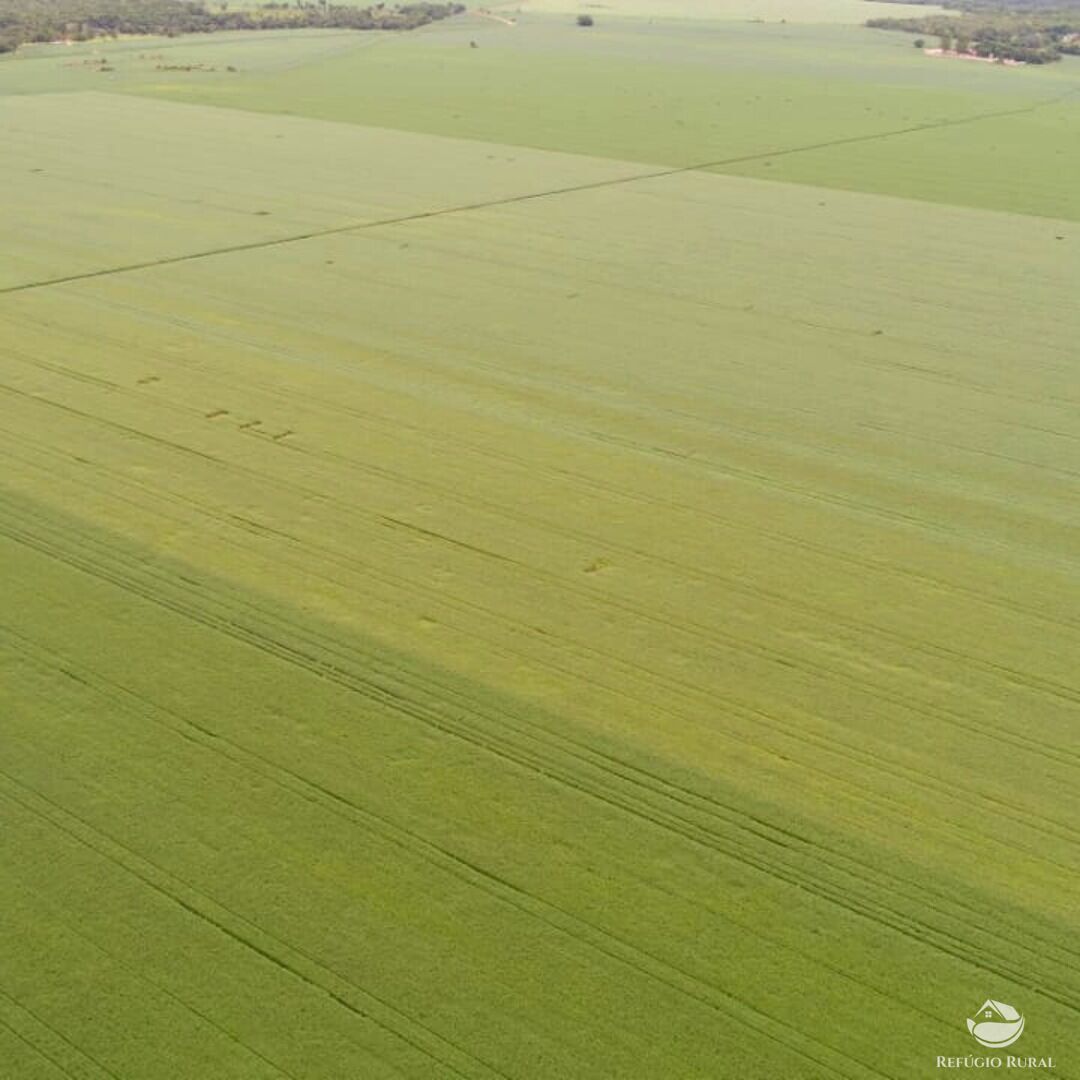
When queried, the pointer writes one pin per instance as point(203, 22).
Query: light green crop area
point(1023, 162)
point(145, 61)
point(727, 93)
point(787, 11)
point(482, 600)
point(196, 180)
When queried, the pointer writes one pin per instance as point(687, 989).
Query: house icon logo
point(996, 1025)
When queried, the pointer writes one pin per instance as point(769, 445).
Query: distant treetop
point(1031, 31)
point(27, 21)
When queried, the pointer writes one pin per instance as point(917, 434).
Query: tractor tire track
point(284, 955)
point(550, 761)
point(745, 710)
point(86, 1065)
point(583, 933)
point(387, 830)
point(749, 713)
point(707, 634)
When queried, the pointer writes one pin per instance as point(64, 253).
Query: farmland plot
point(795, 11)
point(558, 637)
point(825, 104)
point(170, 183)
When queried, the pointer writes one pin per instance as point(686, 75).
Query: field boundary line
point(509, 200)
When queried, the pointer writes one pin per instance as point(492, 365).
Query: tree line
point(27, 21)
point(1031, 31)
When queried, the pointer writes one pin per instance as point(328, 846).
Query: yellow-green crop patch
point(565, 632)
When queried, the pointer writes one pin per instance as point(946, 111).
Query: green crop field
point(830, 12)
point(551, 560)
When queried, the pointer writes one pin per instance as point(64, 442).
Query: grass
point(477, 610)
